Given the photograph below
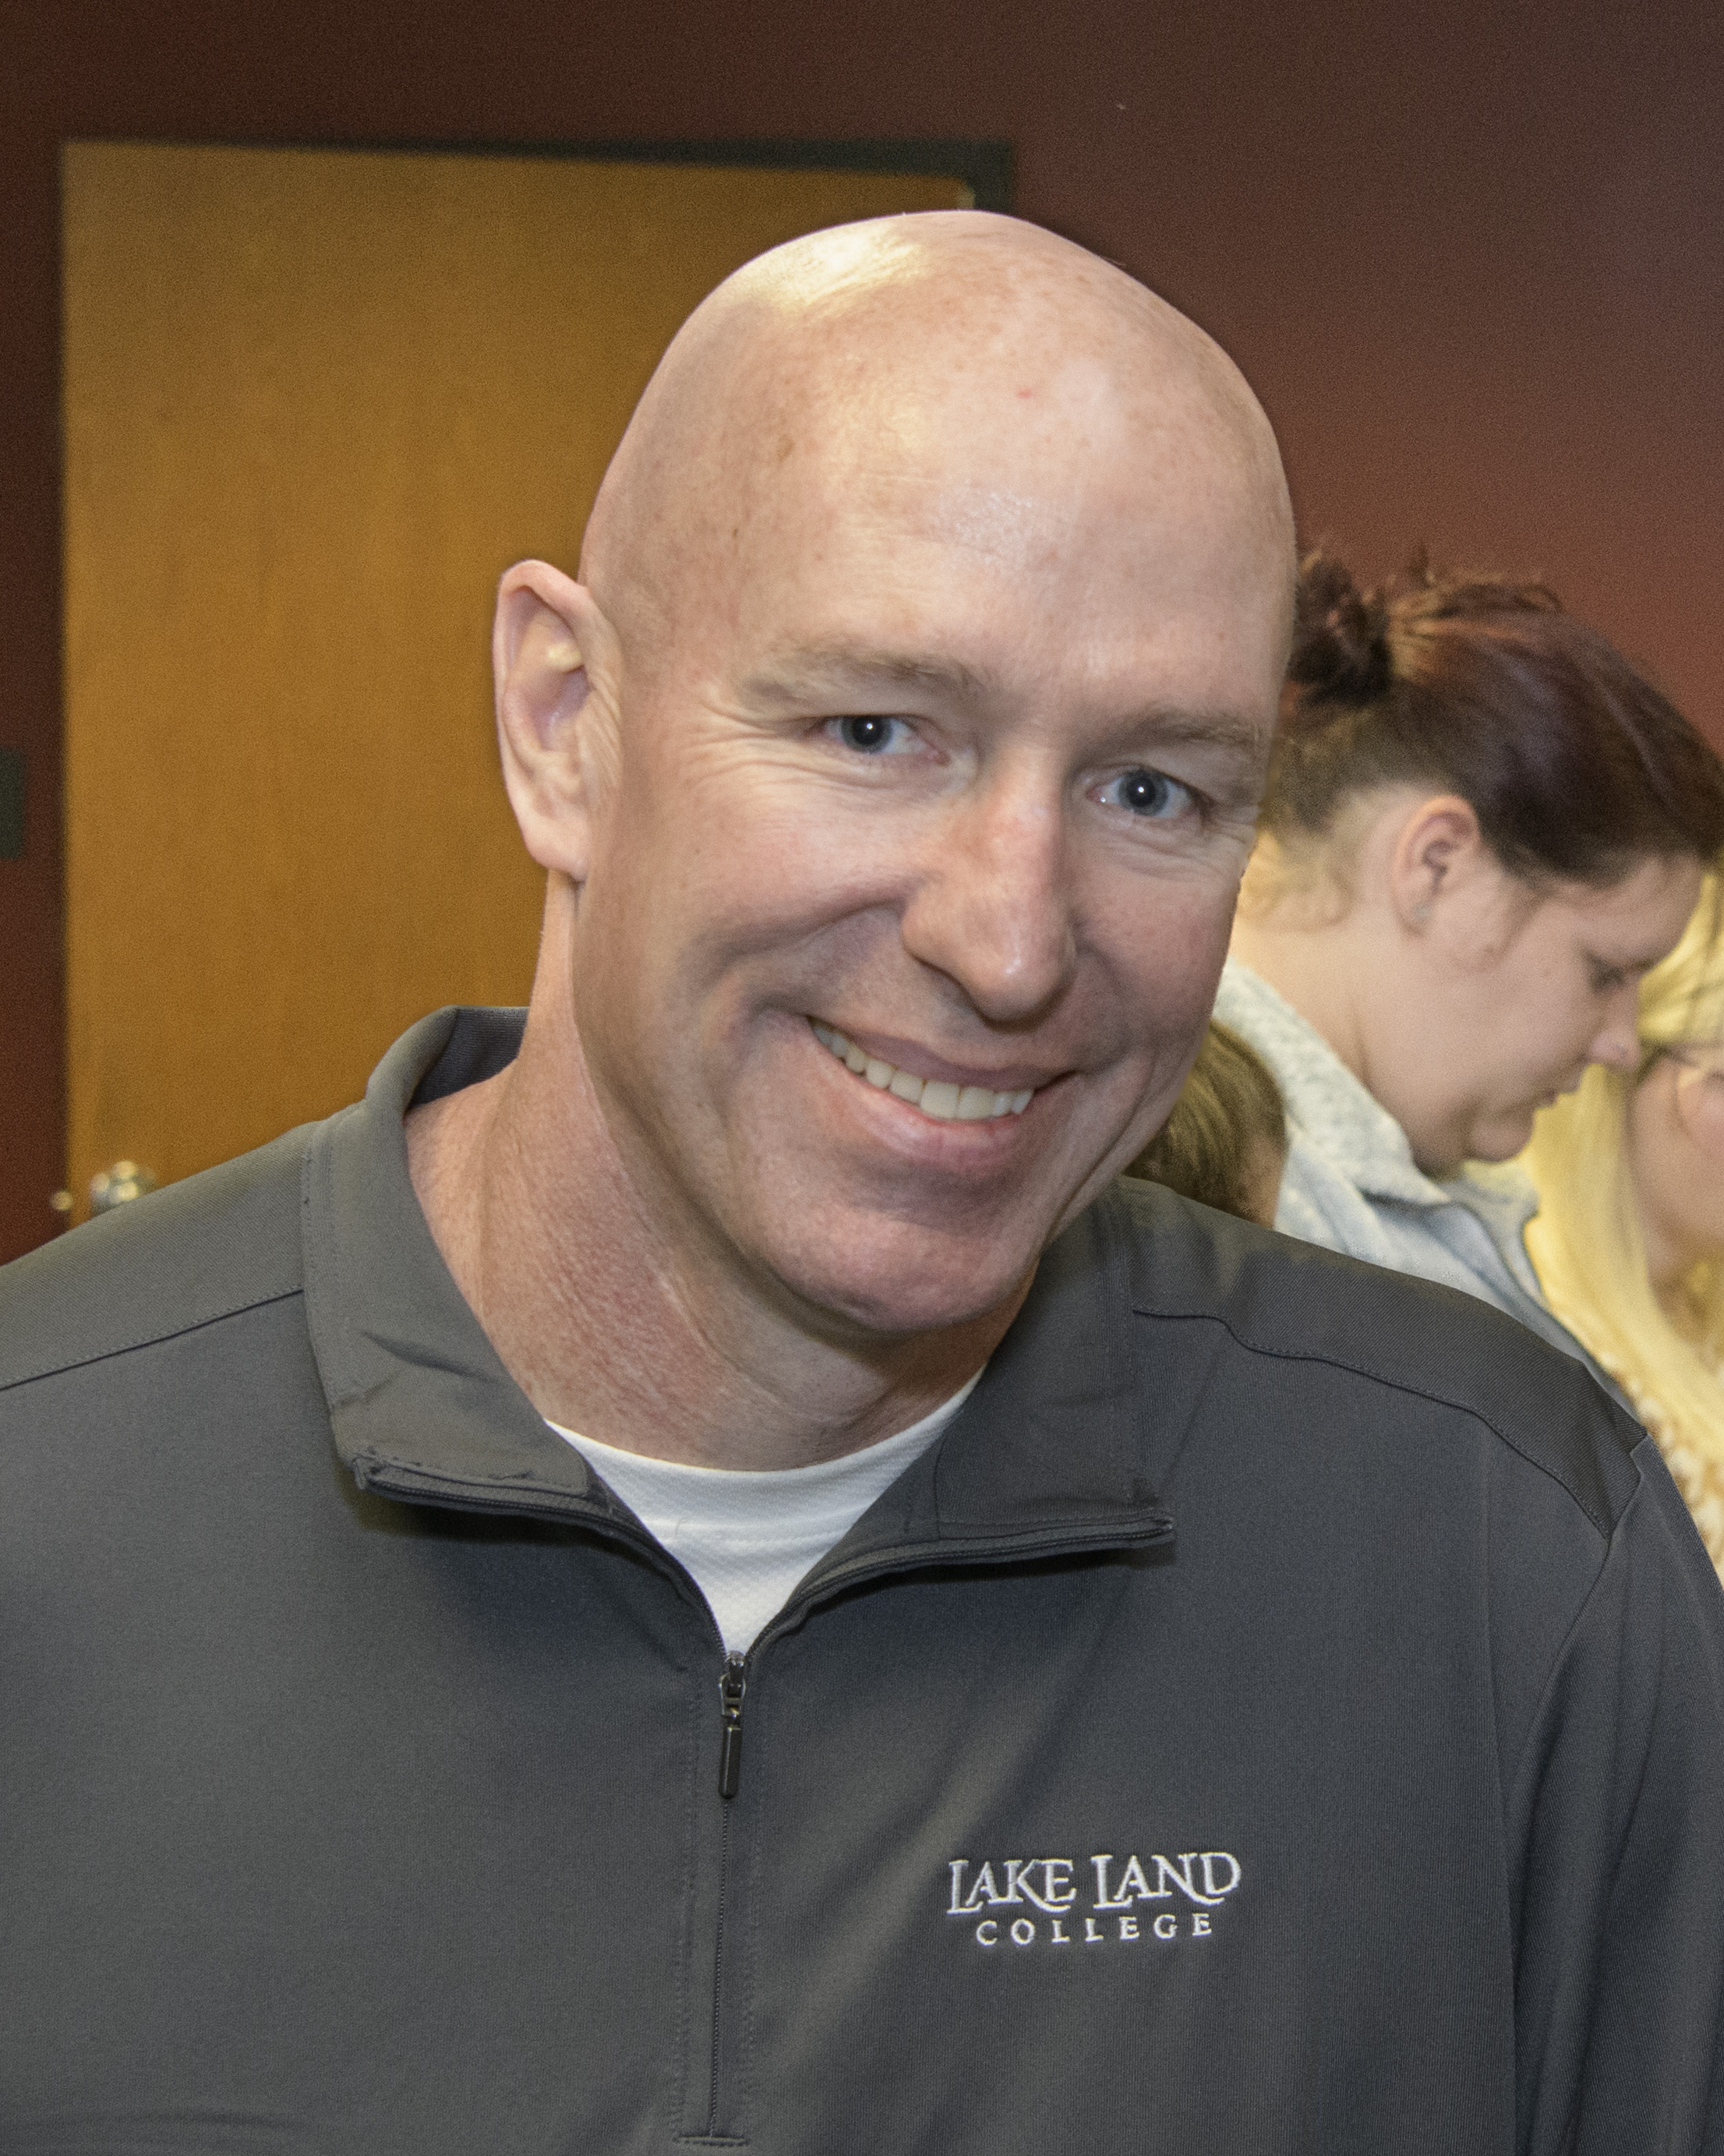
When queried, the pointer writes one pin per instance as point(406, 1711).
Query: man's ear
point(1436, 851)
point(554, 658)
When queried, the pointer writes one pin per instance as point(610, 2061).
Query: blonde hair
point(1587, 1247)
point(1229, 1113)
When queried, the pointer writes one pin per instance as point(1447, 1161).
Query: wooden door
point(315, 402)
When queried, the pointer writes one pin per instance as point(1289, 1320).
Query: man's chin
point(906, 1283)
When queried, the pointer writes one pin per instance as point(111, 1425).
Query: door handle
point(119, 1185)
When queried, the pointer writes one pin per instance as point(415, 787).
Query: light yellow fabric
point(1586, 1244)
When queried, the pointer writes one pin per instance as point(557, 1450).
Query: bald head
point(896, 758)
point(965, 353)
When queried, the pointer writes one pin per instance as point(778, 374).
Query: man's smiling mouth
point(938, 1097)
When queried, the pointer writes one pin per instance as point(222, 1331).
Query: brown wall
point(1470, 255)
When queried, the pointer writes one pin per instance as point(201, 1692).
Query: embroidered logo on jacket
point(1107, 1906)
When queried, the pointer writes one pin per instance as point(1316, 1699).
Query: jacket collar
point(1046, 1450)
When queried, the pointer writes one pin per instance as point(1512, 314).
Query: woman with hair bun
point(1482, 829)
point(1629, 1239)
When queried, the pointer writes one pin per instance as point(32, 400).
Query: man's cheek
point(1173, 996)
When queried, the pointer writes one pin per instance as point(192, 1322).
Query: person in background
point(1482, 828)
point(1225, 1143)
point(1628, 1238)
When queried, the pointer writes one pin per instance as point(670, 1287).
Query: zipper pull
point(731, 1685)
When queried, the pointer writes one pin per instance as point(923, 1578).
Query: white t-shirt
point(748, 1536)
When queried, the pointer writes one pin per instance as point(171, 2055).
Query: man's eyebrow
point(823, 669)
point(1217, 729)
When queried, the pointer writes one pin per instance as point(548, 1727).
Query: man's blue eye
point(867, 733)
point(1150, 793)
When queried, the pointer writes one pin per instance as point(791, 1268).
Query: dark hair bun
point(1460, 682)
point(1341, 651)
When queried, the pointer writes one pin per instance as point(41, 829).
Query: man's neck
point(612, 1331)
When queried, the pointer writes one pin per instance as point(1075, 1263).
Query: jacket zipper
point(731, 1685)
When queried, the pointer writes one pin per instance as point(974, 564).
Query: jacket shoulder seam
point(1525, 1763)
point(153, 1337)
point(1360, 1369)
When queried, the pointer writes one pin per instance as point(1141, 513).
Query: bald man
point(694, 1573)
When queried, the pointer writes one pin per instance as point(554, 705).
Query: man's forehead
point(1098, 548)
point(1017, 422)
point(1032, 467)
point(1006, 524)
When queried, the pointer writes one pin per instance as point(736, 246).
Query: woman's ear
point(1435, 852)
point(554, 659)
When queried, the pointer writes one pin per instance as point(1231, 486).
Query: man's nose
point(992, 910)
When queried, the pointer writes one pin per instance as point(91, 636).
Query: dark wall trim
point(986, 167)
point(11, 804)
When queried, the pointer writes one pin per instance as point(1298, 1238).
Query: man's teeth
point(935, 1097)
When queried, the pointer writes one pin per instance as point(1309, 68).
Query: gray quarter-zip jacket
point(1284, 1710)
